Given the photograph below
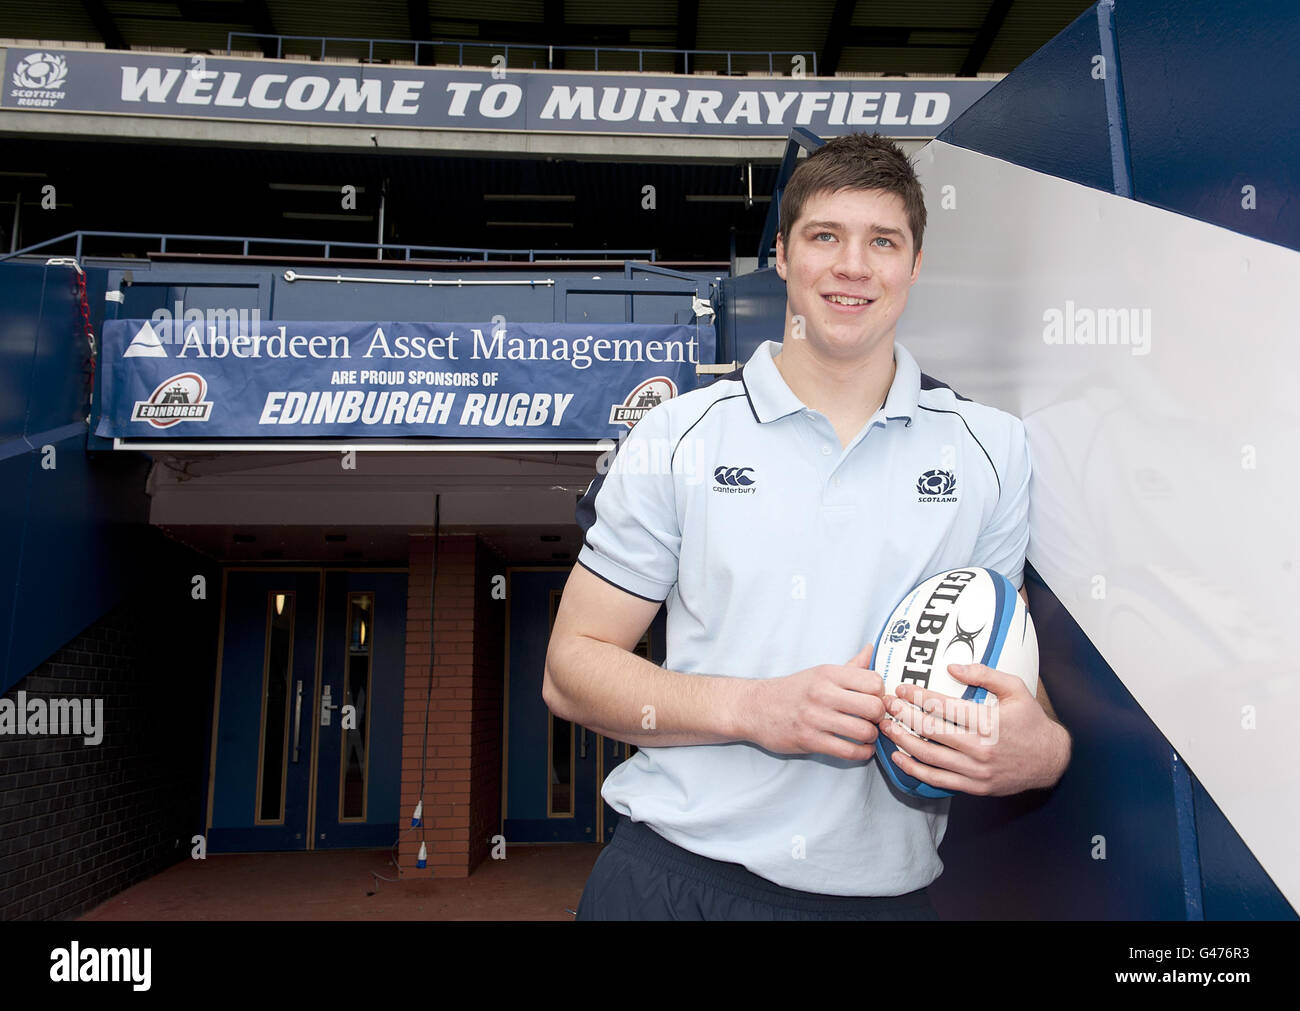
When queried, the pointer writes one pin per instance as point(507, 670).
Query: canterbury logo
point(737, 480)
point(733, 476)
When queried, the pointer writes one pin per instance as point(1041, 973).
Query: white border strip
point(371, 447)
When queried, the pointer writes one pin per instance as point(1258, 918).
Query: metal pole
point(13, 236)
point(383, 189)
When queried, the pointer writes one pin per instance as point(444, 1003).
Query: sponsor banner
point(460, 99)
point(284, 379)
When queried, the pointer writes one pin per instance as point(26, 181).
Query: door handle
point(326, 705)
point(297, 721)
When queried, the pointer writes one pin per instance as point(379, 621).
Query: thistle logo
point(899, 629)
point(651, 393)
point(734, 480)
point(179, 398)
point(936, 486)
point(37, 79)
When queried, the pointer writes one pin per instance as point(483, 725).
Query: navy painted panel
point(1050, 114)
point(1210, 91)
point(205, 286)
point(82, 532)
point(751, 309)
point(21, 288)
point(60, 376)
point(15, 479)
point(1031, 856)
point(1234, 885)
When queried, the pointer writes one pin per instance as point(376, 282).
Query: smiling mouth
point(847, 300)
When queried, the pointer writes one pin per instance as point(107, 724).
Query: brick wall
point(445, 764)
point(489, 687)
point(81, 822)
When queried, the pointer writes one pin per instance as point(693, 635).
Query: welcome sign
point(53, 80)
point(282, 379)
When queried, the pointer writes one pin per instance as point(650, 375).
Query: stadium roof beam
point(102, 19)
point(841, 22)
point(259, 16)
point(984, 41)
point(553, 18)
point(417, 13)
point(688, 23)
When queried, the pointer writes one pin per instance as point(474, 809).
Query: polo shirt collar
point(770, 398)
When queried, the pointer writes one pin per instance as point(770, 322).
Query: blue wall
point(69, 529)
point(569, 299)
point(1208, 95)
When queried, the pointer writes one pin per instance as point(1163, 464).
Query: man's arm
point(592, 679)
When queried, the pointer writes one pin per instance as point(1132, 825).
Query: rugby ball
point(967, 615)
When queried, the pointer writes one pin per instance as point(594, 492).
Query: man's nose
point(854, 260)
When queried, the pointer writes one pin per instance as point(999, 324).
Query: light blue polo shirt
point(777, 550)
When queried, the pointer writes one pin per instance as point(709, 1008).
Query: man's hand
point(822, 709)
point(1012, 745)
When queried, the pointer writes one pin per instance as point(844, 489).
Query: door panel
point(362, 665)
point(261, 780)
point(294, 768)
point(551, 774)
point(554, 769)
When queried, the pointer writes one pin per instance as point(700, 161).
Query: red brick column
point(446, 767)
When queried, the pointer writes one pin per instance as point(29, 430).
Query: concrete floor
point(537, 882)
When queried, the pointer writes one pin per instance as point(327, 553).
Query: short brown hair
point(856, 161)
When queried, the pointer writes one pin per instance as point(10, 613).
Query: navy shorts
point(642, 876)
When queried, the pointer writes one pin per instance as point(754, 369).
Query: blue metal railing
point(464, 252)
point(799, 138)
point(503, 48)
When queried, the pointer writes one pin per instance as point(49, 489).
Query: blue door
point(307, 753)
point(554, 768)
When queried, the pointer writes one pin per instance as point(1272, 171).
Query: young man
point(777, 511)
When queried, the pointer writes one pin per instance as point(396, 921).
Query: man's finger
point(863, 659)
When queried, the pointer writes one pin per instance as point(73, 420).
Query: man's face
point(848, 269)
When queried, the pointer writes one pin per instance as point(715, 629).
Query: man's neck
point(847, 392)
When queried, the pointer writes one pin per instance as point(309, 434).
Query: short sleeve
point(1002, 543)
point(631, 536)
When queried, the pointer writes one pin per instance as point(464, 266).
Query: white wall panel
point(1166, 482)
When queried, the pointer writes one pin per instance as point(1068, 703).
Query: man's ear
point(916, 265)
point(780, 257)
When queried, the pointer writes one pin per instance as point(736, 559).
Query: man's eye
point(820, 235)
point(881, 238)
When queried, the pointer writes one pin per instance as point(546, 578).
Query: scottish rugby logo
point(177, 399)
point(936, 486)
point(38, 79)
point(651, 393)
